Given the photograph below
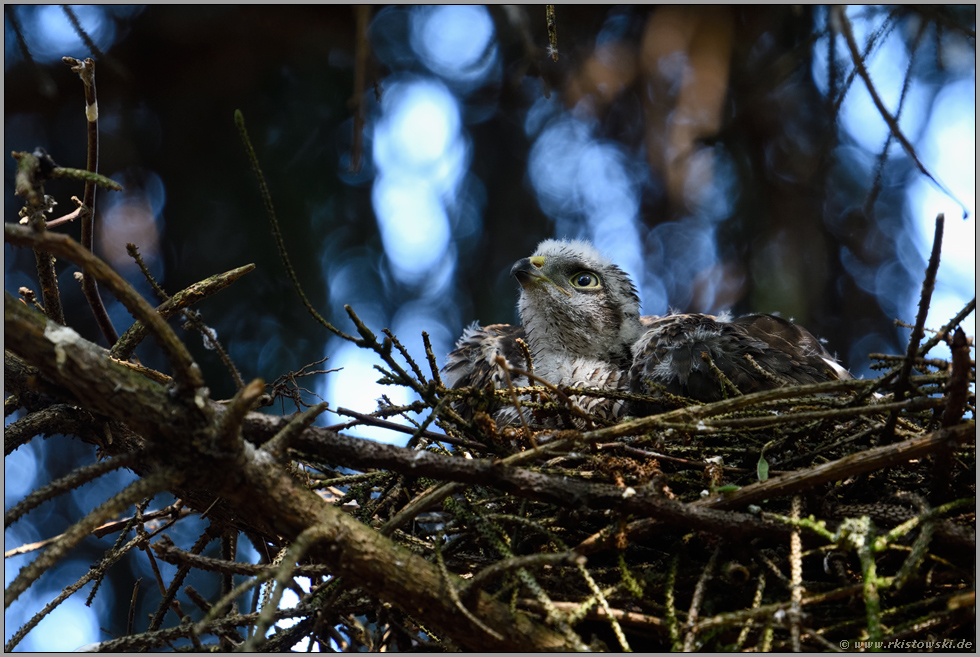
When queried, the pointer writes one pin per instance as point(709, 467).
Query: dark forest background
point(718, 152)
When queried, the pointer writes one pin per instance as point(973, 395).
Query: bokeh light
point(454, 41)
point(54, 34)
point(421, 158)
point(949, 151)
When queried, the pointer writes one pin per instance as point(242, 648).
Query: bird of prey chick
point(580, 318)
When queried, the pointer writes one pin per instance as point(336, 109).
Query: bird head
point(573, 299)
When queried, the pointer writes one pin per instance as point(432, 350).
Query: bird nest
point(809, 517)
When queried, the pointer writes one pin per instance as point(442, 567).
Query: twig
point(148, 372)
point(552, 31)
point(645, 501)
point(928, 285)
point(280, 387)
point(849, 466)
point(131, 618)
point(278, 445)
point(384, 424)
point(733, 618)
point(369, 340)
point(29, 297)
point(796, 576)
point(107, 528)
point(229, 547)
point(83, 35)
point(970, 306)
point(228, 437)
point(192, 317)
point(116, 551)
point(32, 170)
point(726, 384)
point(86, 71)
point(694, 418)
point(869, 202)
point(670, 602)
point(697, 598)
point(99, 532)
point(426, 500)
point(362, 13)
point(505, 367)
point(499, 568)
point(88, 177)
point(756, 602)
point(70, 217)
point(57, 418)
point(915, 404)
point(199, 291)
point(46, 84)
point(431, 357)
point(134, 253)
point(217, 626)
point(454, 593)
point(702, 411)
point(171, 593)
point(408, 357)
point(845, 24)
point(957, 391)
point(625, 617)
point(918, 361)
point(170, 553)
point(284, 572)
point(68, 482)
point(146, 487)
point(874, 40)
point(959, 379)
point(95, 572)
point(274, 223)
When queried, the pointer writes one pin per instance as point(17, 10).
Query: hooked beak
point(528, 273)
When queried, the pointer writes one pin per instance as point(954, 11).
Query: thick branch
point(643, 501)
point(254, 486)
point(186, 371)
point(84, 369)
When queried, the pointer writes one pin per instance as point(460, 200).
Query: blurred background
point(728, 158)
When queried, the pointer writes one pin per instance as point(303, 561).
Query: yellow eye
point(584, 280)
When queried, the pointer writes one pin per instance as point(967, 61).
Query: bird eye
point(584, 279)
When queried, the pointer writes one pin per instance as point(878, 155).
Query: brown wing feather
point(794, 352)
point(670, 354)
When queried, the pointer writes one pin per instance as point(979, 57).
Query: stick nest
point(798, 518)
